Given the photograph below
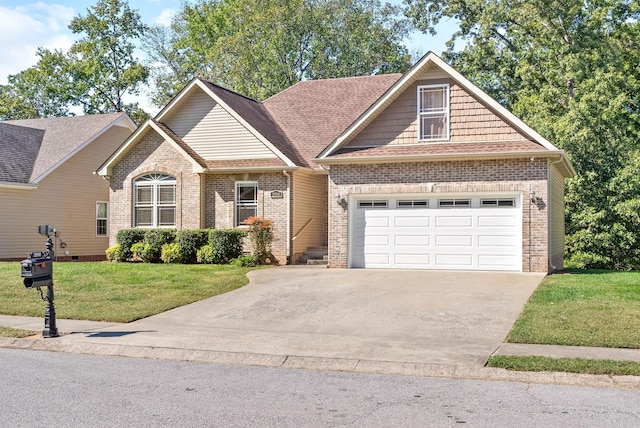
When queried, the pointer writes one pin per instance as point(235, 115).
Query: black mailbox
point(37, 272)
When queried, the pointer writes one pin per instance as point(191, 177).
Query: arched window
point(154, 201)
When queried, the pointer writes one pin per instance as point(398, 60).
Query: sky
point(27, 25)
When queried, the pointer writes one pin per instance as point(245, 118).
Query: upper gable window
point(433, 112)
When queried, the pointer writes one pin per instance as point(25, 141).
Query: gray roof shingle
point(19, 147)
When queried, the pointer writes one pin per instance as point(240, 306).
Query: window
point(454, 203)
point(155, 201)
point(246, 201)
point(433, 112)
point(413, 203)
point(497, 202)
point(373, 204)
point(101, 218)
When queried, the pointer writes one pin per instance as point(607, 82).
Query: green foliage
point(206, 255)
point(139, 251)
point(260, 47)
point(226, 244)
point(115, 254)
point(567, 365)
point(155, 239)
point(126, 238)
point(572, 74)
point(95, 74)
point(189, 242)
point(246, 261)
point(171, 253)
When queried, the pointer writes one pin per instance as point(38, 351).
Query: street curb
point(324, 364)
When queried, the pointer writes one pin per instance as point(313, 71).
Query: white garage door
point(456, 233)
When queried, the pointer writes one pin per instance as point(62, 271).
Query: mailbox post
point(37, 271)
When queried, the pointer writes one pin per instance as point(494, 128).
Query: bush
point(114, 253)
point(126, 238)
point(261, 234)
point(139, 251)
point(226, 244)
point(171, 253)
point(246, 261)
point(190, 241)
point(206, 255)
point(155, 239)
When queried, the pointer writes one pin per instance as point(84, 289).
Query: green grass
point(16, 332)
point(583, 308)
point(118, 292)
point(568, 365)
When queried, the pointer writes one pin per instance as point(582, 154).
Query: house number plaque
point(276, 194)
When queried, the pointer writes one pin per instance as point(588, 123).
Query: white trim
point(154, 205)
point(124, 118)
point(229, 110)
point(412, 75)
point(18, 186)
point(106, 168)
point(237, 195)
point(447, 113)
point(100, 218)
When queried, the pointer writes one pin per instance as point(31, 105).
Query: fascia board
point(246, 124)
point(17, 186)
point(105, 168)
point(250, 169)
point(123, 118)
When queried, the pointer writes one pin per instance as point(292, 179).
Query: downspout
point(288, 254)
point(549, 218)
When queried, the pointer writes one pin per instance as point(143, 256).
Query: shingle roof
point(180, 142)
point(440, 149)
point(19, 148)
point(259, 118)
point(313, 113)
point(61, 136)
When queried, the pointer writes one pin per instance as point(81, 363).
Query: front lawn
point(118, 292)
point(583, 308)
point(568, 365)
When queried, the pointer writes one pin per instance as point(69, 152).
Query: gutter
point(18, 186)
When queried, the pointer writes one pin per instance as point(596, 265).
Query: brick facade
point(202, 201)
point(509, 175)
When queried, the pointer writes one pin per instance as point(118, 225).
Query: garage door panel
point(454, 240)
point(465, 238)
point(453, 221)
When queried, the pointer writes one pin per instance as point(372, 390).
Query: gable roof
point(313, 113)
point(334, 151)
point(39, 146)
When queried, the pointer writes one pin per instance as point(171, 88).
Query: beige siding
point(470, 121)
point(309, 204)
point(66, 198)
point(212, 132)
point(556, 219)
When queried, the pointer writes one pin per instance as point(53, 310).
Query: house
point(421, 170)
point(47, 177)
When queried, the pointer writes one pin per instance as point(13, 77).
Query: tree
point(569, 69)
point(260, 47)
point(97, 72)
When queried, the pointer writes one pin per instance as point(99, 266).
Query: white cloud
point(25, 28)
point(165, 17)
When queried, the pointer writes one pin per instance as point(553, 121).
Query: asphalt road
point(66, 390)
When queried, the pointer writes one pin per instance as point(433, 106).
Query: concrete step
point(318, 262)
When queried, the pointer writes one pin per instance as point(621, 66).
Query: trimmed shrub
point(114, 253)
point(206, 255)
point(261, 234)
point(246, 261)
point(138, 251)
point(126, 238)
point(190, 241)
point(226, 244)
point(171, 253)
point(155, 239)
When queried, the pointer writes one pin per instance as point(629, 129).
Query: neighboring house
point(47, 176)
point(420, 171)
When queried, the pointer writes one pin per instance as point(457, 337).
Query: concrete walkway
point(444, 324)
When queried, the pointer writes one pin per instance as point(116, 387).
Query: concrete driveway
point(433, 317)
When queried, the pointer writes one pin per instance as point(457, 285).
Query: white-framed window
point(373, 203)
point(154, 199)
point(412, 203)
point(246, 201)
point(454, 203)
point(497, 202)
point(102, 217)
point(433, 112)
